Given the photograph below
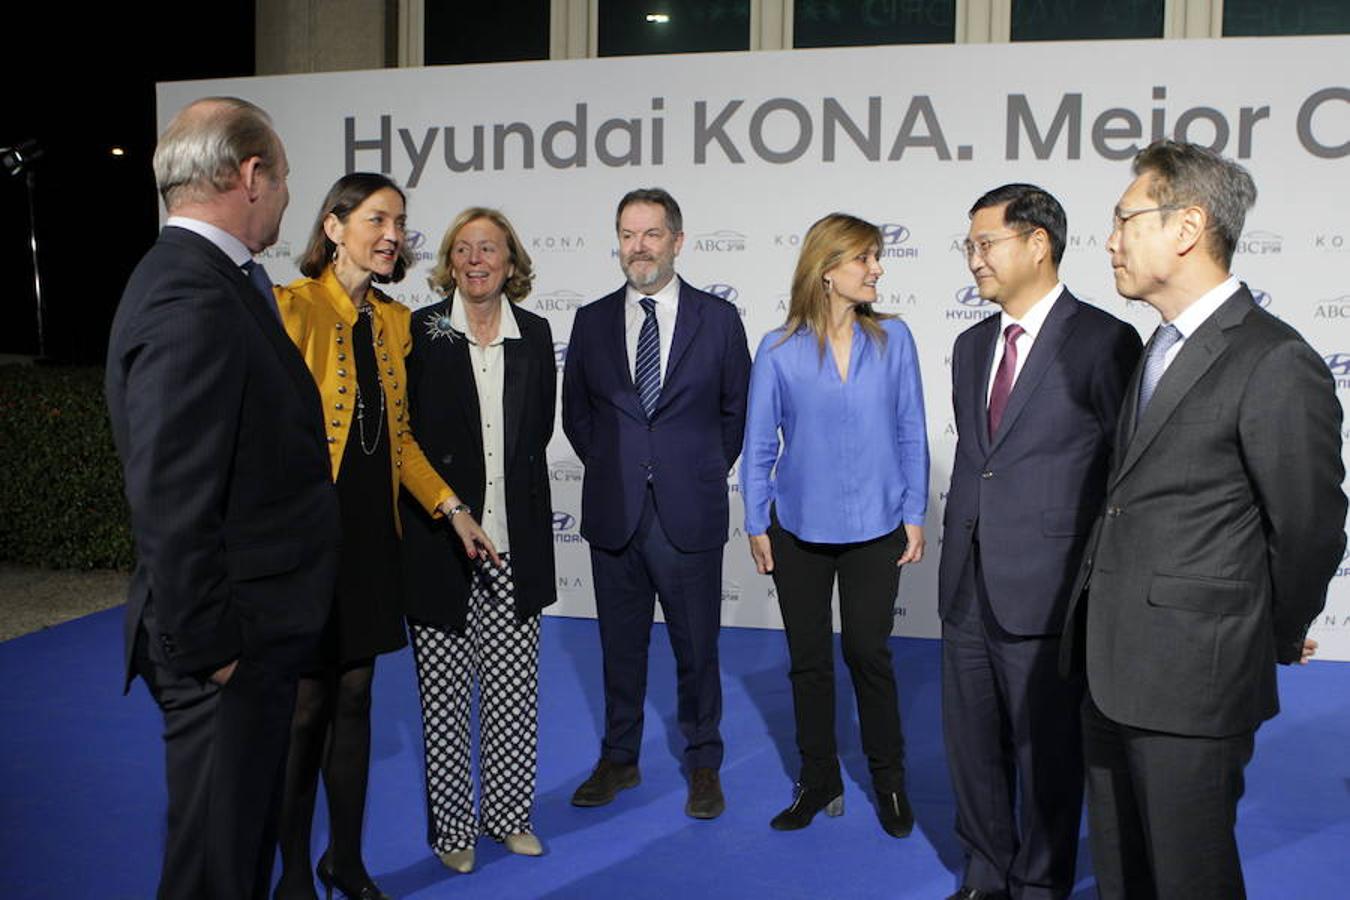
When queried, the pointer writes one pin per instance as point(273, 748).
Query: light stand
point(19, 160)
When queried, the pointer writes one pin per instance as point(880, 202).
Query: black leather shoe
point(970, 893)
point(705, 795)
point(365, 890)
point(806, 802)
point(897, 819)
point(607, 779)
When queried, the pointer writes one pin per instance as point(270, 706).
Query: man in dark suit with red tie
point(1036, 390)
point(654, 394)
point(219, 428)
point(1223, 523)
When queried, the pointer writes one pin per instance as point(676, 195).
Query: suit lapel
point(616, 349)
point(1049, 342)
point(1195, 358)
point(260, 309)
point(461, 385)
point(687, 322)
point(977, 401)
point(516, 375)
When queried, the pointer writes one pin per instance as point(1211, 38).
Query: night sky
point(81, 83)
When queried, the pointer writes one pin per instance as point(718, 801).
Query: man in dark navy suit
point(1036, 391)
point(220, 431)
point(653, 398)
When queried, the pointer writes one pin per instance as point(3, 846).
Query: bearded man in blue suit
point(654, 393)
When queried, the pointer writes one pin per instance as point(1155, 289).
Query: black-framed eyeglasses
point(984, 244)
point(1120, 216)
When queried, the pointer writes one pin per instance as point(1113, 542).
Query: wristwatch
point(455, 510)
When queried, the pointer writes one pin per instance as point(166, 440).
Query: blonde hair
point(829, 242)
point(517, 287)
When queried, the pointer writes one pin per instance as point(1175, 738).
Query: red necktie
point(1003, 381)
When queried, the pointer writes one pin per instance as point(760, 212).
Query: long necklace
point(369, 448)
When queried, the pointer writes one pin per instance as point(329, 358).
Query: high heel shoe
point(329, 879)
point(806, 802)
point(894, 813)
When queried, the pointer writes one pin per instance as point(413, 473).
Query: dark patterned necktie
point(1003, 381)
point(259, 278)
point(647, 369)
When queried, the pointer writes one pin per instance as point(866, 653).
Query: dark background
point(81, 82)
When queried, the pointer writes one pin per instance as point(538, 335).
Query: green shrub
point(61, 501)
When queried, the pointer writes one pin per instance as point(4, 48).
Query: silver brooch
point(439, 326)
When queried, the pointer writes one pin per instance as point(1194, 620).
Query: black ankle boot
point(806, 802)
point(897, 819)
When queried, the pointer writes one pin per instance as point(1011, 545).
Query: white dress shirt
point(1032, 321)
point(667, 307)
point(1195, 315)
point(489, 376)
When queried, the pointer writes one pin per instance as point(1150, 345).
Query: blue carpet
point(81, 790)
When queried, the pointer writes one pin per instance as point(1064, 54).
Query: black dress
point(367, 618)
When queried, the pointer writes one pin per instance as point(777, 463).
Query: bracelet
point(456, 510)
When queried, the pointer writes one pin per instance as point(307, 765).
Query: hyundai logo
point(969, 296)
point(1262, 299)
point(894, 234)
point(563, 521)
point(1339, 364)
point(414, 240)
point(724, 291)
point(559, 355)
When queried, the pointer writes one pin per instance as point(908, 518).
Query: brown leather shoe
point(607, 779)
point(705, 795)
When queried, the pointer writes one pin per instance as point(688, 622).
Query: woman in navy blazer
point(482, 393)
point(844, 498)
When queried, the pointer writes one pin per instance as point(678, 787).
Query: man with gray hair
point(1221, 528)
point(220, 431)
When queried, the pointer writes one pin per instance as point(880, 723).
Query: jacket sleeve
point(577, 414)
point(1290, 430)
point(184, 392)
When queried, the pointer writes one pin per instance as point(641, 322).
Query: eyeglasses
point(1120, 216)
point(983, 245)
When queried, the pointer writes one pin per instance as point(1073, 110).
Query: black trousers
point(1014, 748)
point(1161, 810)
point(225, 754)
point(804, 575)
point(689, 586)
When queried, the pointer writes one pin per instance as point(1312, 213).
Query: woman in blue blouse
point(839, 383)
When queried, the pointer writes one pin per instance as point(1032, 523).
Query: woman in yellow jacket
point(354, 340)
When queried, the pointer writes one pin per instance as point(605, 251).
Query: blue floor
point(81, 785)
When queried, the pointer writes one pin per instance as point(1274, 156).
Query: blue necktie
point(1154, 364)
point(647, 369)
point(259, 278)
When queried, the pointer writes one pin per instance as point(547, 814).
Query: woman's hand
point(913, 545)
point(1309, 650)
point(761, 553)
point(476, 542)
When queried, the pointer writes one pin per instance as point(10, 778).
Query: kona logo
point(558, 243)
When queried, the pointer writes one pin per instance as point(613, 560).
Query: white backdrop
point(756, 146)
